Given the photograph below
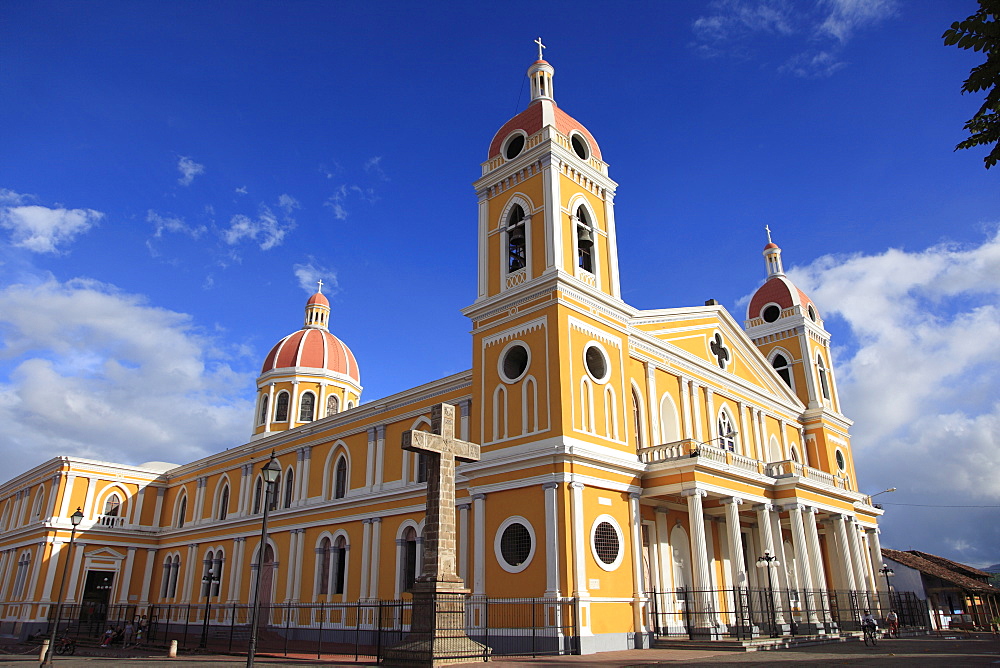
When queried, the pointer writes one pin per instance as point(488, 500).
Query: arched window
point(323, 565)
point(36, 511)
point(175, 568)
point(725, 428)
point(339, 565)
point(281, 408)
point(224, 503)
point(332, 405)
point(780, 364)
point(637, 418)
point(182, 510)
point(263, 409)
point(306, 410)
point(516, 242)
point(823, 382)
point(584, 240)
point(258, 490)
point(289, 487)
point(165, 585)
point(409, 573)
point(112, 506)
point(340, 479)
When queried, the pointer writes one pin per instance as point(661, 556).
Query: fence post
point(288, 620)
point(187, 619)
point(357, 628)
point(534, 626)
point(232, 627)
point(378, 634)
point(319, 636)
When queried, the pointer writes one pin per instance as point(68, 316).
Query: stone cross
point(442, 450)
point(768, 230)
point(320, 281)
point(540, 47)
point(719, 350)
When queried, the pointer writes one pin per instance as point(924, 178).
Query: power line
point(927, 505)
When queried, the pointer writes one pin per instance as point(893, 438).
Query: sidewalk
point(933, 651)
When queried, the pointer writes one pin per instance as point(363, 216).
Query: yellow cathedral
point(644, 473)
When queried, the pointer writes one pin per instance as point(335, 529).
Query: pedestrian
point(129, 634)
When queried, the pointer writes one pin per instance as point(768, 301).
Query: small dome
point(770, 245)
point(781, 291)
point(312, 348)
point(531, 120)
point(318, 298)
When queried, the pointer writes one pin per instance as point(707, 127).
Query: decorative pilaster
point(366, 537)
point(551, 541)
point(126, 579)
point(479, 544)
point(375, 555)
point(638, 588)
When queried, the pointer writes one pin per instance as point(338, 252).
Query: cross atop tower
point(320, 288)
point(768, 229)
point(540, 47)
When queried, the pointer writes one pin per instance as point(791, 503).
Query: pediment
point(105, 553)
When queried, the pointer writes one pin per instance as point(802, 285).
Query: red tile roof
point(931, 566)
point(530, 120)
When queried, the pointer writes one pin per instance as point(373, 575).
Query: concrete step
point(755, 645)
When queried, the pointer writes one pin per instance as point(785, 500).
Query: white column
point(609, 212)
point(158, 508)
point(857, 558)
point(815, 552)
point(767, 542)
point(379, 455)
point(552, 214)
point(375, 556)
point(745, 440)
point(293, 406)
point(779, 549)
point(67, 494)
point(137, 508)
point(199, 500)
point(736, 558)
point(653, 403)
point(270, 407)
point(784, 440)
point(696, 412)
point(74, 574)
point(236, 570)
point(50, 571)
point(551, 541)
point(699, 554)
point(125, 581)
point(843, 547)
point(686, 407)
point(463, 542)
point(36, 568)
point(663, 541)
point(306, 473)
point(147, 576)
point(638, 586)
point(88, 504)
point(802, 557)
point(479, 549)
point(579, 540)
point(366, 535)
point(875, 550)
point(294, 558)
point(710, 416)
point(370, 460)
point(190, 566)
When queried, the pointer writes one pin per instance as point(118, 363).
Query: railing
point(743, 614)
point(358, 631)
point(110, 521)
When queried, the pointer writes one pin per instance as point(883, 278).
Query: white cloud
point(373, 165)
point(101, 374)
point(310, 273)
point(814, 34)
point(266, 229)
point(920, 376)
point(336, 201)
point(175, 225)
point(188, 169)
point(42, 229)
point(242, 190)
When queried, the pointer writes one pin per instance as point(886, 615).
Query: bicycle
point(871, 635)
point(66, 645)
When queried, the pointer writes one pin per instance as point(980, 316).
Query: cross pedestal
point(437, 630)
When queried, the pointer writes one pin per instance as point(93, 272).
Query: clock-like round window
point(514, 362)
point(515, 544)
point(597, 362)
point(513, 147)
point(770, 313)
point(607, 543)
point(580, 146)
point(841, 462)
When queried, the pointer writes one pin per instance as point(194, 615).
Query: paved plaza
point(953, 650)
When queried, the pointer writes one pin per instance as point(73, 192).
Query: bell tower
point(549, 349)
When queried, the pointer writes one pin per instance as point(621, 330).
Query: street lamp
point(208, 582)
point(769, 562)
point(75, 520)
point(887, 573)
point(270, 472)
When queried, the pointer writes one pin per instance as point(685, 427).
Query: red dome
point(530, 120)
point(770, 246)
point(318, 298)
point(315, 348)
point(778, 290)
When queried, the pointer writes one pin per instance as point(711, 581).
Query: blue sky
point(175, 177)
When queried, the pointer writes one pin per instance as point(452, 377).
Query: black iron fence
point(743, 614)
point(363, 630)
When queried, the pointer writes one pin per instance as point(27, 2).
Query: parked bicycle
point(66, 645)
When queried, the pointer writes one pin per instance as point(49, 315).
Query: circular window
point(841, 462)
point(514, 544)
point(812, 313)
point(514, 362)
point(513, 147)
point(606, 541)
point(597, 362)
point(580, 146)
point(770, 313)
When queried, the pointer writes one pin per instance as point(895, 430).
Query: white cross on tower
point(320, 281)
point(442, 450)
point(540, 47)
point(768, 229)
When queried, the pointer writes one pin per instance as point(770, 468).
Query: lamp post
point(887, 573)
point(769, 562)
point(208, 582)
point(270, 472)
point(75, 520)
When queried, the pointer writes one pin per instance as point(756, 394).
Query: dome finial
point(319, 288)
point(540, 47)
point(768, 230)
